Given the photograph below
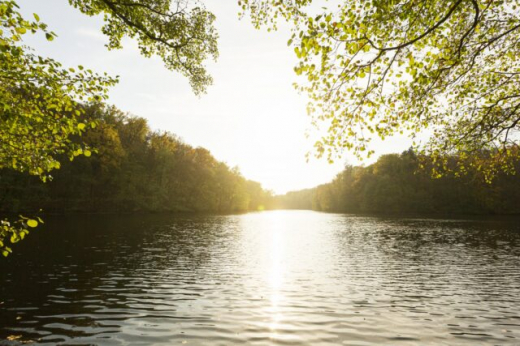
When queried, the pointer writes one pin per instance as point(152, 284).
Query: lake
point(266, 278)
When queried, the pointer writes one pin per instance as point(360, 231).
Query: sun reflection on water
point(275, 271)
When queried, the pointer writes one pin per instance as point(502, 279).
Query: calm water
point(270, 278)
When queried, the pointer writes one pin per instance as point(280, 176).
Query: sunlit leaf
point(32, 223)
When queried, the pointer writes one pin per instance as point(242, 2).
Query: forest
point(131, 169)
point(403, 183)
point(134, 169)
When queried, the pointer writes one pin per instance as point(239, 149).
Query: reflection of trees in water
point(458, 275)
point(457, 258)
point(424, 239)
point(388, 247)
point(431, 238)
point(80, 276)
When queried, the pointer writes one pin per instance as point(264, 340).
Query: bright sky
point(251, 117)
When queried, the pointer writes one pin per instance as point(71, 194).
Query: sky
point(251, 117)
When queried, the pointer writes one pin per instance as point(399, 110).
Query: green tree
point(449, 68)
point(41, 101)
point(132, 169)
point(396, 184)
point(39, 108)
point(180, 32)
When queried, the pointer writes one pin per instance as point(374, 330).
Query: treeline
point(132, 169)
point(397, 184)
point(135, 169)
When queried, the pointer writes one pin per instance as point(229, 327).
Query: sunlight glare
point(275, 271)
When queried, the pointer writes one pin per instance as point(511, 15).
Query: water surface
point(269, 278)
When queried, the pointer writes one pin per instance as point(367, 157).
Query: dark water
point(270, 278)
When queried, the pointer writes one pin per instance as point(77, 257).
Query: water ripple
point(270, 278)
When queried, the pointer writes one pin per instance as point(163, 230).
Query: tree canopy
point(41, 102)
point(38, 108)
point(449, 69)
point(180, 32)
point(39, 99)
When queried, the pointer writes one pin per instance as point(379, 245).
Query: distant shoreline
point(406, 215)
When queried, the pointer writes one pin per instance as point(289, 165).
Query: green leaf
point(14, 238)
